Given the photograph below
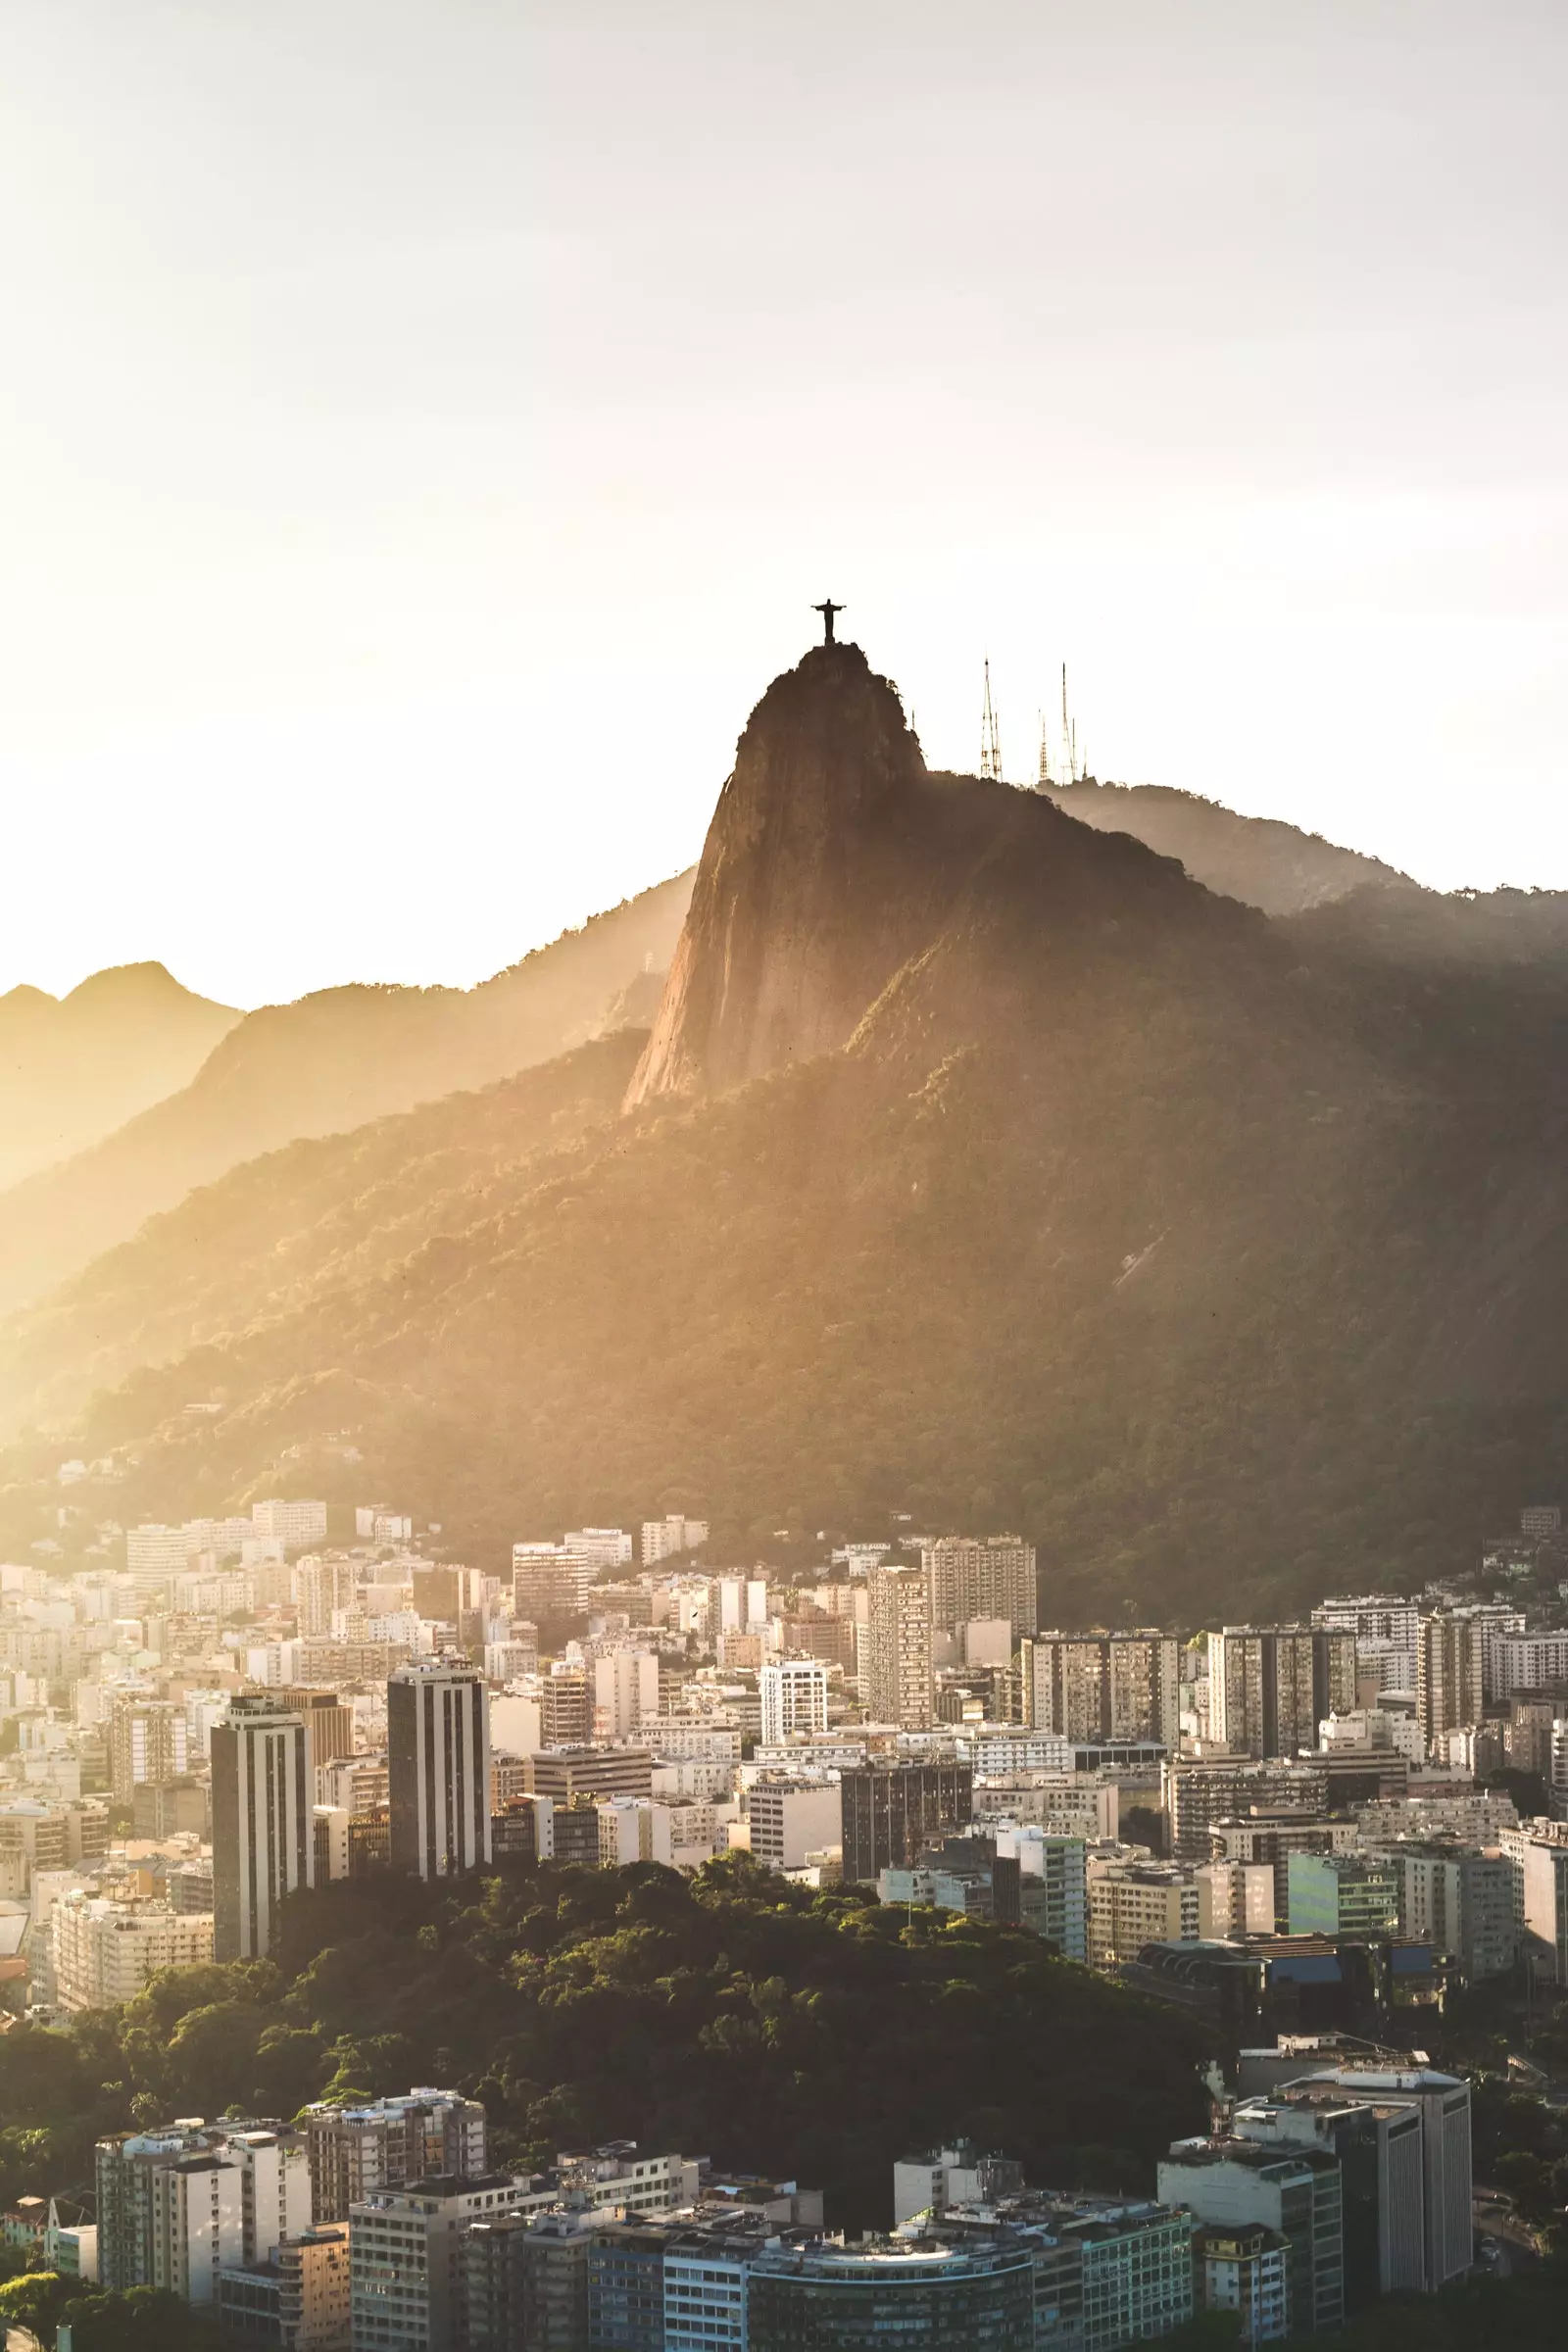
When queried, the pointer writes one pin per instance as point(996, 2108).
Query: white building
point(406, 2260)
point(663, 1539)
point(601, 1546)
point(1443, 2104)
point(1388, 1635)
point(793, 1818)
point(293, 1523)
point(633, 1828)
point(1523, 1662)
point(198, 2224)
point(263, 1835)
point(155, 1555)
point(794, 1696)
point(104, 1951)
point(625, 1688)
point(438, 1768)
point(1537, 1851)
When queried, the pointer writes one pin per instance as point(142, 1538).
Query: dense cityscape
point(1304, 1836)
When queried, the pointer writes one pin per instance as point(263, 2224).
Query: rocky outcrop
point(801, 908)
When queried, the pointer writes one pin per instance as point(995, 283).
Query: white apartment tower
point(438, 1768)
point(794, 1696)
point(263, 1823)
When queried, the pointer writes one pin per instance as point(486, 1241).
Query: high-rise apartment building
point(1388, 1634)
point(1092, 1686)
point(407, 2258)
point(263, 1823)
point(889, 1813)
point(355, 2151)
point(1202, 1791)
point(794, 1696)
point(148, 1747)
point(1443, 2102)
point(1270, 1687)
point(625, 1697)
point(323, 1581)
point(899, 1685)
point(155, 1556)
point(549, 1581)
point(438, 1768)
point(994, 1578)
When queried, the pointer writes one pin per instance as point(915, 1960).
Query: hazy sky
point(426, 424)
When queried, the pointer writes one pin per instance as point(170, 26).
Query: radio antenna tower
point(990, 738)
point(1043, 780)
point(1067, 772)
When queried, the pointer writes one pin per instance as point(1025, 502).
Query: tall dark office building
point(438, 1768)
point(263, 1823)
point(892, 1812)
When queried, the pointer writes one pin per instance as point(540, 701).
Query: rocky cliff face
point(801, 908)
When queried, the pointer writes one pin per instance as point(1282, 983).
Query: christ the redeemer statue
point(827, 611)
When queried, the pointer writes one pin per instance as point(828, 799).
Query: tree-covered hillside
point(813, 2036)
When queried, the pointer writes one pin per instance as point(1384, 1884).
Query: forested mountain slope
point(323, 1067)
point(1063, 1194)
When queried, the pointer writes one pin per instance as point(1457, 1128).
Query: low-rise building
point(104, 1951)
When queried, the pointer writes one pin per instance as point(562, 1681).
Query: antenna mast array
point(990, 737)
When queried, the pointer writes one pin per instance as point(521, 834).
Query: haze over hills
point(325, 1065)
point(73, 1068)
point(981, 1164)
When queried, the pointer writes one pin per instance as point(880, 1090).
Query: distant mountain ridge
point(1260, 859)
point(1217, 1251)
point(325, 1066)
point(73, 1068)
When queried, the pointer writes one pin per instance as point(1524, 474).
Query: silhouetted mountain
point(1259, 859)
point(984, 1166)
point(325, 1065)
point(73, 1068)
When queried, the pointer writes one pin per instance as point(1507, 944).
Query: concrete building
point(794, 1696)
point(1453, 1667)
point(1456, 1899)
point(1245, 2272)
point(1536, 1852)
point(889, 1813)
point(1052, 1884)
point(1269, 1686)
point(563, 1774)
point(962, 2174)
point(354, 2152)
point(1341, 1894)
point(625, 1693)
point(1092, 1687)
point(148, 1745)
point(549, 1581)
point(104, 1951)
point(1443, 2102)
point(406, 2261)
point(1198, 1792)
point(664, 1539)
point(1378, 2148)
point(897, 1677)
point(438, 1768)
point(1235, 2184)
point(633, 1828)
point(791, 1818)
point(1388, 1635)
point(1132, 1903)
point(947, 2297)
point(1525, 1662)
point(294, 1524)
point(969, 1578)
point(263, 1823)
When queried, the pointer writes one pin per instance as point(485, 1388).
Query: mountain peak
point(774, 960)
